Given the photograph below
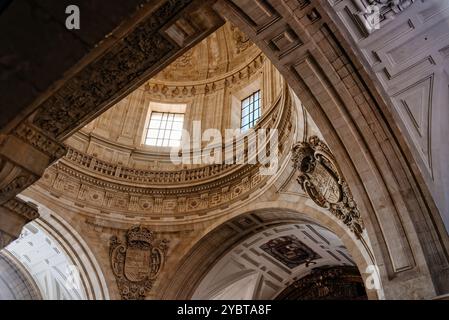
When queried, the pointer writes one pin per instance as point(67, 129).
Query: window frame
point(249, 109)
point(164, 125)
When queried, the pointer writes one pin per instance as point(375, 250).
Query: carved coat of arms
point(321, 179)
point(137, 262)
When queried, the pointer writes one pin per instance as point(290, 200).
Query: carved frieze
point(137, 261)
point(33, 136)
point(158, 88)
point(24, 155)
point(323, 182)
point(24, 209)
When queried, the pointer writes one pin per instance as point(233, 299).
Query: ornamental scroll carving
point(137, 262)
point(322, 181)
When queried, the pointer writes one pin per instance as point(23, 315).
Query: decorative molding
point(33, 136)
point(28, 210)
point(385, 9)
point(173, 89)
point(14, 214)
point(241, 40)
point(16, 185)
point(24, 155)
point(137, 262)
point(323, 182)
point(95, 184)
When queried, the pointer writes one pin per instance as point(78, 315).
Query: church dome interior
point(227, 150)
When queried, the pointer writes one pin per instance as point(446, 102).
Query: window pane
point(165, 129)
point(151, 142)
point(155, 124)
point(177, 126)
point(250, 111)
point(152, 133)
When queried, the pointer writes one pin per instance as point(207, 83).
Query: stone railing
point(104, 188)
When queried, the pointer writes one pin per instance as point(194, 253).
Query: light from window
point(165, 129)
point(250, 111)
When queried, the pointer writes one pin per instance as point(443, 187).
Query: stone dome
point(222, 52)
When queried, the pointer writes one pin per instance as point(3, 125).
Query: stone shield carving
point(323, 182)
point(137, 263)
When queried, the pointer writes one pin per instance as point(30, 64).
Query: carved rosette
point(323, 182)
point(137, 263)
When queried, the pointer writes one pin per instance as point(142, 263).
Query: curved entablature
point(277, 117)
point(176, 89)
point(84, 179)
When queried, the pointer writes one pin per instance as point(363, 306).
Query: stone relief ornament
point(322, 181)
point(242, 41)
point(137, 263)
point(377, 11)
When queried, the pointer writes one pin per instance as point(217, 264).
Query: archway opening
point(267, 253)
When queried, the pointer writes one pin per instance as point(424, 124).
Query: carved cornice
point(16, 150)
point(33, 136)
point(137, 262)
point(143, 194)
point(19, 180)
point(176, 89)
point(24, 209)
point(323, 182)
point(14, 214)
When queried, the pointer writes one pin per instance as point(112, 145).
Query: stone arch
point(406, 230)
point(66, 241)
point(15, 281)
point(218, 240)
